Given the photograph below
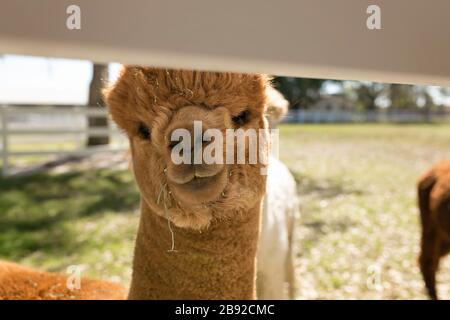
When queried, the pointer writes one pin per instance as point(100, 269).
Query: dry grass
point(359, 231)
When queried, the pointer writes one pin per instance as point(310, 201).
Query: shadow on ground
point(315, 193)
point(36, 211)
point(325, 188)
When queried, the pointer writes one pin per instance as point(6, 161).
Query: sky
point(40, 80)
point(25, 79)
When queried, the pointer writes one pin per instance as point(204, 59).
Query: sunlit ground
point(358, 234)
point(359, 220)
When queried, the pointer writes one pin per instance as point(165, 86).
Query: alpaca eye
point(242, 118)
point(143, 131)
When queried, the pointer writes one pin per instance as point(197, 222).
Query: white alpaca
point(275, 260)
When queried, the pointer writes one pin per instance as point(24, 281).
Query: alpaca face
point(156, 107)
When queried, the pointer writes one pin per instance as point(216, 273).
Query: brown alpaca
point(434, 204)
point(21, 283)
point(199, 226)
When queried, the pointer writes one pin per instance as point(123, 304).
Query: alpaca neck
point(218, 263)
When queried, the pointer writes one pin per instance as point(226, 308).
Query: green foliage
point(303, 93)
point(367, 95)
point(402, 96)
point(300, 92)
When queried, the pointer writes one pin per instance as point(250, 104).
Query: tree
point(402, 96)
point(300, 92)
point(424, 101)
point(445, 91)
point(99, 74)
point(367, 94)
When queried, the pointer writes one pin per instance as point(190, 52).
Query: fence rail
point(307, 116)
point(46, 122)
point(27, 121)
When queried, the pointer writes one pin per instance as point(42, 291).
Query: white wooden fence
point(25, 122)
point(394, 116)
point(69, 123)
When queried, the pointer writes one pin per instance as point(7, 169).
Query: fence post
point(3, 113)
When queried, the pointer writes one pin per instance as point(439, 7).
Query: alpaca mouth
point(201, 189)
point(198, 183)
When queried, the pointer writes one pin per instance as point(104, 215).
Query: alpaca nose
point(187, 131)
point(186, 143)
point(192, 139)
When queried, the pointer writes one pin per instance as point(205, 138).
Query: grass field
point(358, 234)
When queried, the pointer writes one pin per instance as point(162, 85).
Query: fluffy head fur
point(148, 104)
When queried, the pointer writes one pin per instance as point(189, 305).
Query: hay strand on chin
point(163, 194)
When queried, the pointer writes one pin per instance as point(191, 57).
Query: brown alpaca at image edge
point(199, 224)
point(434, 204)
point(22, 283)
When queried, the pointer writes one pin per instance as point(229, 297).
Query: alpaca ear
point(277, 105)
point(118, 98)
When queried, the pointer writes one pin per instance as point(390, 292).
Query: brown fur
point(22, 283)
point(434, 204)
point(215, 228)
point(215, 224)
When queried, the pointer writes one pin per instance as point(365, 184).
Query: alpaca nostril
point(186, 142)
point(194, 143)
point(172, 144)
